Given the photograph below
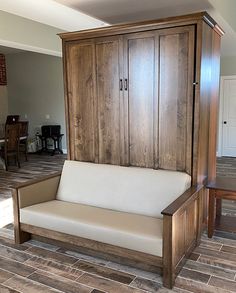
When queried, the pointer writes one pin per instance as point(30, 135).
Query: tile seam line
point(233, 271)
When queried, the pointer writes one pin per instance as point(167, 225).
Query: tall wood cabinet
point(141, 94)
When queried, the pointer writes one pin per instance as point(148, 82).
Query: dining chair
point(24, 125)
point(11, 119)
point(2, 130)
point(11, 145)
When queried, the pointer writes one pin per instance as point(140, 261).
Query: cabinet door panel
point(81, 98)
point(108, 93)
point(140, 95)
point(176, 68)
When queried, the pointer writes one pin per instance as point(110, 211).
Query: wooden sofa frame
point(178, 242)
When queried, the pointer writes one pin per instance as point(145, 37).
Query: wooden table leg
point(2, 164)
point(211, 213)
point(218, 207)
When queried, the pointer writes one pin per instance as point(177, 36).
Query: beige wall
point(228, 65)
point(3, 103)
point(35, 89)
point(19, 32)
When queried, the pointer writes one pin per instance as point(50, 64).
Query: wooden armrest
point(182, 227)
point(32, 192)
point(182, 200)
point(34, 181)
point(36, 191)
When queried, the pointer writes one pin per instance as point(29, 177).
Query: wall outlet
point(26, 116)
point(47, 116)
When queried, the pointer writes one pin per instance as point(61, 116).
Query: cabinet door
point(140, 98)
point(176, 76)
point(81, 97)
point(109, 97)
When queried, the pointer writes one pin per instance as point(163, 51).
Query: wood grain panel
point(204, 103)
point(191, 223)
point(108, 92)
point(15, 267)
point(139, 259)
point(104, 272)
point(81, 95)
point(144, 26)
point(59, 283)
point(53, 267)
point(181, 228)
point(27, 286)
point(140, 75)
point(4, 275)
point(175, 98)
point(203, 209)
point(105, 285)
point(179, 234)
point(214, 105)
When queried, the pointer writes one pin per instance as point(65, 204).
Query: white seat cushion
point(129, 189)
point(136, 232)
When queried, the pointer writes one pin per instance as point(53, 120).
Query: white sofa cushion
point(129, 189)
point(136, 232)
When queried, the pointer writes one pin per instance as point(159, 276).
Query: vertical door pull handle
point(121, 85)
point(126, 84)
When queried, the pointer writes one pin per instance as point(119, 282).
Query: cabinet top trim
point(143, 26)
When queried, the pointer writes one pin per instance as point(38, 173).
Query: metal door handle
point(126, 84)
point(121, 85)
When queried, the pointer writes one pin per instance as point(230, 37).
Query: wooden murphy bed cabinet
point(146, 95)
point(122, 88)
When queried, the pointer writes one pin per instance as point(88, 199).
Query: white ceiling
point(116, 11)
point(71, 15)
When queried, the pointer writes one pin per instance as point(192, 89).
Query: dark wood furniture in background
point(12, 119)
point(11, 144)
point(220, 188)
point(57, 149)
point(24, 125)
point(3, 70)
point(146, 94)
point(52, 132)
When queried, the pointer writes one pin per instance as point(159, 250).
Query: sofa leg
point(21, 236)
point(168, 279)
point(169, 284)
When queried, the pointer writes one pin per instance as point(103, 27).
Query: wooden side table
point(220, 188)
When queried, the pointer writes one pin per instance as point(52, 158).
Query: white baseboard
point(64, 151)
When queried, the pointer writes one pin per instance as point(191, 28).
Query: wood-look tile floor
point(37, 166)
point(36, 267)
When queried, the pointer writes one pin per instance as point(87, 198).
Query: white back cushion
point(128, 189)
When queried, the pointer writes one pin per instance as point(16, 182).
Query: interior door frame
point(221, 111)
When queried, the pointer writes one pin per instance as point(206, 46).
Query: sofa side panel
point(182, 231)
point(38, 192)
